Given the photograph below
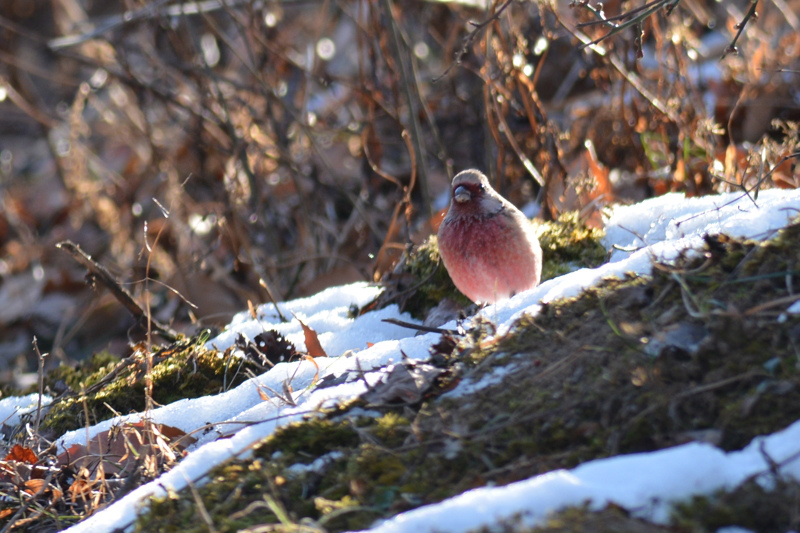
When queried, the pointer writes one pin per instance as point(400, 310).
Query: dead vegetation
point(213, 154)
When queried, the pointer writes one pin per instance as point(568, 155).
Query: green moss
point(87, 372)
point(568, 244)
point(581, 519)
point(113, 386)
point(391, 428)
point(752, 505)
point(378, 468)
point(311, 438)
point(222, 497)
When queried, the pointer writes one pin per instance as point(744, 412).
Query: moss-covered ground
point(767, 505)
point(700, 350)
point(97, 389)
point(105, 386)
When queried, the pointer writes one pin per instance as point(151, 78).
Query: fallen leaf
point(313, 347)
point(117, 450)
point(39, 486)
point(20, 464)
point(21, 454)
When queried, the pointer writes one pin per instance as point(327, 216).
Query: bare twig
point(201, 508)
point(100, 273)
point(409, 82)
point(272, 299)
point(751, 13)
point(420, 327)
point(40, 358)
point(30, 109)
point(471, 36)
point(630, 77)
point(509, 134)
point(15, 521)
point(637, 15)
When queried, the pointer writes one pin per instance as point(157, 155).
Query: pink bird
point(488, 246)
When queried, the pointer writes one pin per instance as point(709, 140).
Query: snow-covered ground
point(662, 227)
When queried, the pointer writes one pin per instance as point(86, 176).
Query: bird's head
point(473, 195)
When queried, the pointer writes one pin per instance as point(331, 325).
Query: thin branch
point(420, 327)
point(751, 13)
point(409, 82)
point(101, 274)
point(630, 77)
point(471, 36)
point(40, 358)
point(642, 13)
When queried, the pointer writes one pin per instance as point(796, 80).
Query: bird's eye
point(481, 188)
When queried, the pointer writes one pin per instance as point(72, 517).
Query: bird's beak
point(461, 194)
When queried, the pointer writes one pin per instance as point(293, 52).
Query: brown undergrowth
point(43, 489)
point(305, 145)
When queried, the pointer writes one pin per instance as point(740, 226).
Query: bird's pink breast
point(491, 258)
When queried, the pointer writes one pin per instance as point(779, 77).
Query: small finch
point(488, 246)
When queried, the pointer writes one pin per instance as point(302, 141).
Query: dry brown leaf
point(32, 486)
point(40, 486)
point(21, 454)
point(81, 488)
point(782, 175)
point(19, 464)
point(313, 347)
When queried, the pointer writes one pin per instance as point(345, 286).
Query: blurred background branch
point(306, 143)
